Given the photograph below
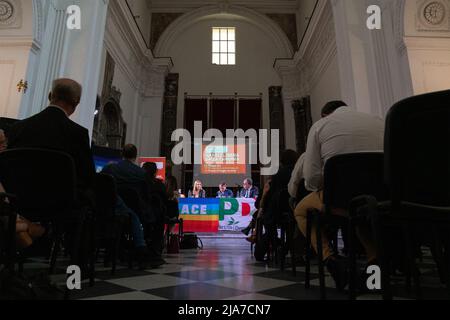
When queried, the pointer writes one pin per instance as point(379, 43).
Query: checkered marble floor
point(225, 270)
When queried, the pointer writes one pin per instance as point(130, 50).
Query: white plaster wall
point(149, 121)
point(15, 45)
point(13, 67)
point(327, 89)
point(253, 74)
point(128, 101)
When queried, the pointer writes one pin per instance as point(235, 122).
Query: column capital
point(153, 77)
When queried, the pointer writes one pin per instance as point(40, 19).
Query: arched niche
point(109, 127)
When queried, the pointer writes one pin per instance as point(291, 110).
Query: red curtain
point(222, 115)
point(195, 110)
point(250, 114)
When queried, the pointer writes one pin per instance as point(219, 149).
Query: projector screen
point(224, 163)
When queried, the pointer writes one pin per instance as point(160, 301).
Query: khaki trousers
point(315, 201)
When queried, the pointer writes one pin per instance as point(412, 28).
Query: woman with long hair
point(197, 191)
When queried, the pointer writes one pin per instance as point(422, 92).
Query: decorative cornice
point(426, 43)
point(153, 80)
point(294, 84)
point(16, 41)
point(301, 73)
point(273, 6)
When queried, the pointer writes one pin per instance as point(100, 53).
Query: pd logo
point(231, 207)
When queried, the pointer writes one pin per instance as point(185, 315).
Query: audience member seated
point(197, 191)
point(253, 226)
point(278, 183)
point(172, 188)
point(26, 231)
point(156, 186)
point(52, 129)
point(343, 131)
point(249, 191)
point(143, 255)
point(262, 240)
point(296, 186)
point(224, 192)
point(129, 175)
point(157, 201)
point(281, 180)
point(172, 196)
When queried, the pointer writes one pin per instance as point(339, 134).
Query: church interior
point(151, 71)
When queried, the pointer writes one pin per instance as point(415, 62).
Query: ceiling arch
point(263, 22)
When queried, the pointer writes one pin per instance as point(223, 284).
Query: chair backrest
point(417, 149)
point(132, 199)
point(43, 181)
point(282, 201)
point(347, 176)
point(105, 195)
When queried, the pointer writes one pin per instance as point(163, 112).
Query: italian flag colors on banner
point(213, 215)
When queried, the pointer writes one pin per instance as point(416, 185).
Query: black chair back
point(281, 202)
point(132, 199)
point(43, 181)
point(105, 196)
point(417, 149)
point(348, 176)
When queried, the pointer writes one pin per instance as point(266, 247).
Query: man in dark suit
point(249, 190)
point(224, 192)
point(129, 176)
point(126, 172)
point(52, 129)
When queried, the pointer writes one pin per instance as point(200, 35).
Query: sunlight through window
point(224, 46)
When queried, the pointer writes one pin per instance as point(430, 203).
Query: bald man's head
point(66, 93)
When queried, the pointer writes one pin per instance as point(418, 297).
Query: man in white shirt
point(343, 131)
point(297, 175)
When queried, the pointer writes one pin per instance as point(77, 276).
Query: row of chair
point(400, 193)
point(42, 187)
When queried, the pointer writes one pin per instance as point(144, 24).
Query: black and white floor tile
point(223, 270)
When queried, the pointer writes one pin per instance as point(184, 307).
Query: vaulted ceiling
point(287, 14)
point(262, 5)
